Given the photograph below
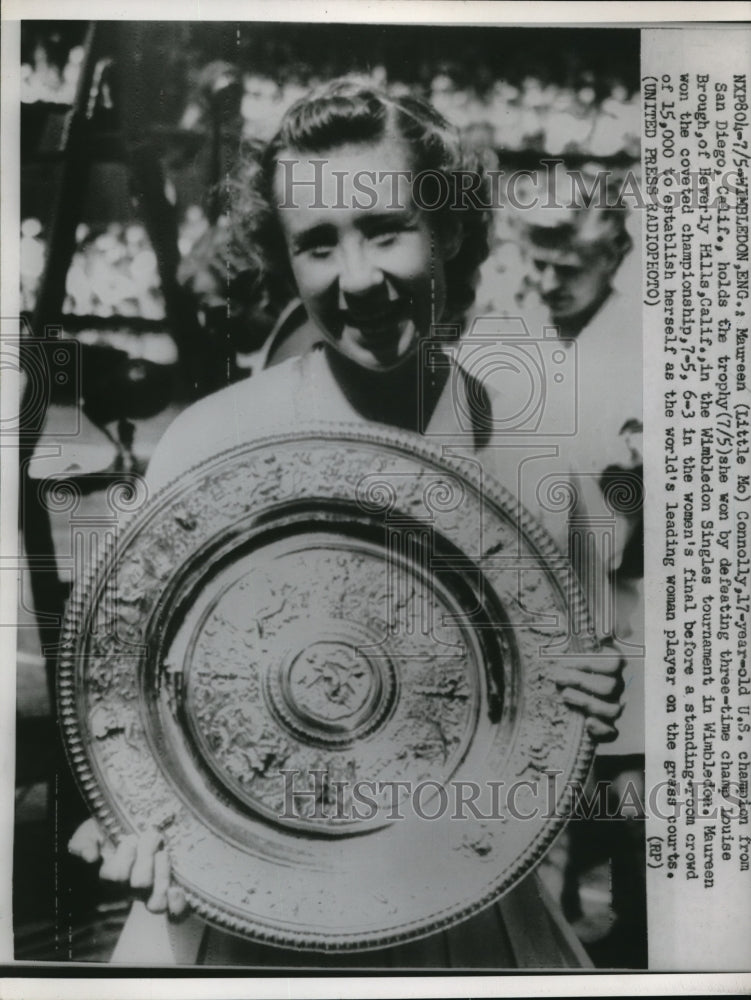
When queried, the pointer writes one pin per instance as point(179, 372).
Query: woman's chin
point(379, 353)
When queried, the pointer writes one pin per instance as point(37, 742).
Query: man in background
point(572, 256)
point(576, 280)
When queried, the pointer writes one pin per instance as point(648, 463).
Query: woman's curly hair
point(345, 111)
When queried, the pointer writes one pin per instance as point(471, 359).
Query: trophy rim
point(85, 594)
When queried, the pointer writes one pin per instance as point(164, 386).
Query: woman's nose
point(358, 273)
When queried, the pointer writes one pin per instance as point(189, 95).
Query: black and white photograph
point(334, 512)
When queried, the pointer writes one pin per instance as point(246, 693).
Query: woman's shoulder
point(235, 415)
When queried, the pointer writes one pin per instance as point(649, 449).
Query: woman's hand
point(595, 687)
point(142, 862)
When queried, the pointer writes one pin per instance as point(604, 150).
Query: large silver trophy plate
point(322, 665)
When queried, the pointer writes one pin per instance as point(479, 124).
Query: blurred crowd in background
point(530, 96)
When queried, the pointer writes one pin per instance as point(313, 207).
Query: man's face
point(569, 282)
point(365, 260)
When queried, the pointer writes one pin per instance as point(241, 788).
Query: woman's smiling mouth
point(371, 324)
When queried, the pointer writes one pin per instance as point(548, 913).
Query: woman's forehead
point(362, 176)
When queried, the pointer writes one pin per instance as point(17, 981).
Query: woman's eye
point(320, 252)
point(385, 238)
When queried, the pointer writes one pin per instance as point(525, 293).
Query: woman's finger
point(118, 864)
point(609, 711)
point(142, 876)
point(177, 904)
point(86, 843)
point(602, 663)
point(158, 900)
point(603, 732)
point(601, 685)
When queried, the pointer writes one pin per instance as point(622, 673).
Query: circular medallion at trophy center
point(328, 689)
point(329, 683)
